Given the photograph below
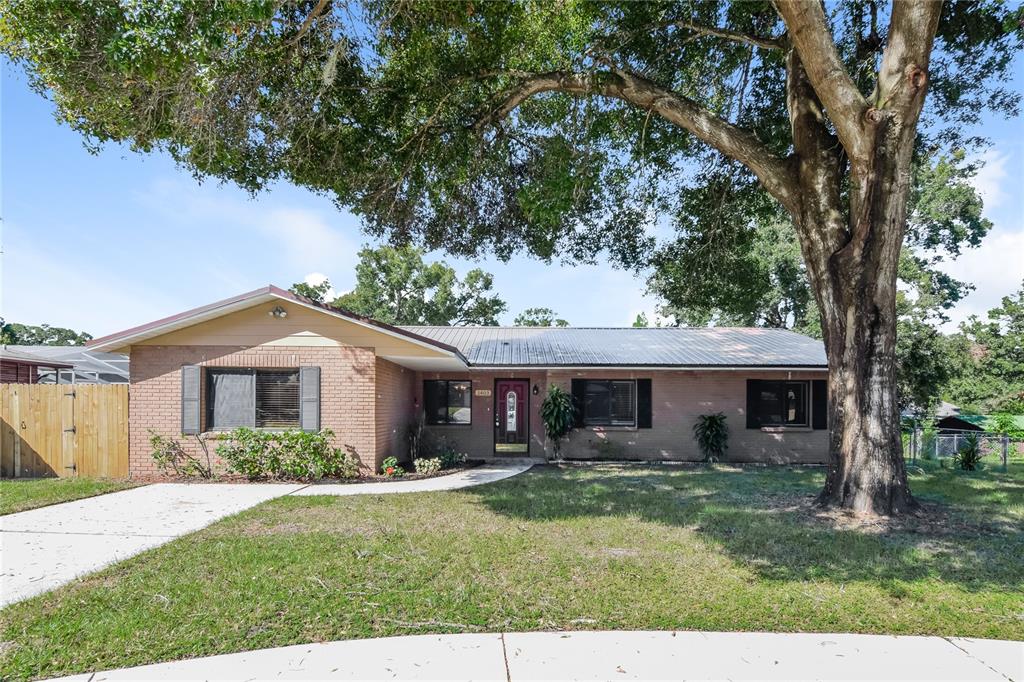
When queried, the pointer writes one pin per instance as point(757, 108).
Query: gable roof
point(681, 347)
point(134, 335)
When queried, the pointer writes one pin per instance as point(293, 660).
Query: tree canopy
point(15, 334)
point(395, 285)
point(539, 317)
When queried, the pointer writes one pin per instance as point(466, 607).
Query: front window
point(609, 402)
point(448, 402)
point(780, 403)
point(255, 398)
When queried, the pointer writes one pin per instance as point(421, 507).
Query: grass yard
point(602, 547)
point(28, 493)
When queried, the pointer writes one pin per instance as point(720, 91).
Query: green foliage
point(171, 457)
point(712, 434)
point(449, 455)
point(1008, 424)
point(395, 285)
point(428, 466)
point(969, 456)
point(558, 414)
point(992, 355)
point(315, 292)
point(15, 334)
point(641, 321)
point(539, 317)
point(390, 469)
point(291, 454)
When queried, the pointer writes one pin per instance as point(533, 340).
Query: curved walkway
point(609, 656)
point(42, 549)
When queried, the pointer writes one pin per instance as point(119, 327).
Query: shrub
point(969, 456)
point(427, 466)
point(389, 467)
point(712, 435)
point(170, 455)
point(558, 414)
point(450, 456)
point(287, 454)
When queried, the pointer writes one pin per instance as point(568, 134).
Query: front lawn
point(19, 494)
point(602, 547)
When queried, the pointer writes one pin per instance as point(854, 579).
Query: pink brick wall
point(347, 392)
point(678, 398)
point(396, 388)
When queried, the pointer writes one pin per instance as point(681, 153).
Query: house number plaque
point(482, 393)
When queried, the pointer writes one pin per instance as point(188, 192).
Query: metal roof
point(18, 354)
point(111, 367)
point(629, 346)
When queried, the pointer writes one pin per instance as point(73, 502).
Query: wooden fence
point(64, 430)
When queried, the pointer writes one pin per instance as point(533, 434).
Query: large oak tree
point(564, 128)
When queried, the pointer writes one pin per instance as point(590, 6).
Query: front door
point(511, 422)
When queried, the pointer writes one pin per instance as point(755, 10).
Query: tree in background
point(314, 292)
point(539, 317)
point(641, 320)
point(568, 129)
point(395, 285)
point(14, 334)
point(992, 379)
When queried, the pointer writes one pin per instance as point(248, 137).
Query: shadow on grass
point(763, 519)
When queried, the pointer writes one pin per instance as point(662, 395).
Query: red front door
point(511, 423)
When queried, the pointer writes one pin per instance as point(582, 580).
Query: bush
point(969, 456)
point(558, 414)
point(449, 456)
point(170, 455)
point(287, 454)
point(427, 466)
point(389, 467)
point(712, 435)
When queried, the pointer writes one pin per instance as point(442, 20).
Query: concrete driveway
point(44, 548)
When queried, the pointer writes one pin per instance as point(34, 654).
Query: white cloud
point(990, 178)
point(314, 279)
point(996, 269)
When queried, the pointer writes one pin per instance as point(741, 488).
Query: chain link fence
point(996, 448)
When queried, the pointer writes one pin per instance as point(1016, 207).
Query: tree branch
point(739, 144)
point(735, 36)
point(308, 21)
point(846, 107)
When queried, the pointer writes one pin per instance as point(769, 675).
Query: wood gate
point(64, 430)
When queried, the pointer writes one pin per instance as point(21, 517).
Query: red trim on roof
point(271, 290)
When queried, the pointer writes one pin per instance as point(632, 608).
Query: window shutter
point(190, 385)
point(643, 404)
point(819, 404)
point(309, 399)
point(579, 387)
point(753, 404)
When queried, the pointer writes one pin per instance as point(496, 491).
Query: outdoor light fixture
point(278, 312)
point(536, 389)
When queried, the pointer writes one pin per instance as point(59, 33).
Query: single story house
point(272, 359)
point(18, 366)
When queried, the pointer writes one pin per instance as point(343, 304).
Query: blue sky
point(103, 242)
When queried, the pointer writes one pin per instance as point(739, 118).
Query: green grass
point(598, 547)
point(20, 494)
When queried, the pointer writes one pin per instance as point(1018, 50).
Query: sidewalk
point(609, 656)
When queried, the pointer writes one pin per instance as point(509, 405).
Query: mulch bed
point(363, 478)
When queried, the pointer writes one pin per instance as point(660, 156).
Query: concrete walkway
point(609, 656)
point(42, 549)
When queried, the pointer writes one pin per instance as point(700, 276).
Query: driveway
point(609, 656)
point(44, 548)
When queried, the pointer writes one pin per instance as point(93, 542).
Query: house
point(20, 367)
point(77, 365)
point(271, 359)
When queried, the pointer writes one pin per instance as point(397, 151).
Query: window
point(448, 402)
point(777, 403)
point(609, 403)
point(260, 398)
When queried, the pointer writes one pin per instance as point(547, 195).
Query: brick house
point(271, 359)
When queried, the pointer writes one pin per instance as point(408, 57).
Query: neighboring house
point(271, 359)
point(20, 367)
point(78, 365)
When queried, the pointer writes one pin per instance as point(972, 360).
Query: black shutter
point(191, 384)
point(309, 399)
point(819, 404)
point(579, 387)
point(753, 404)
point(643, 404)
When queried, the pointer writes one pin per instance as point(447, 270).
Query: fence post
point(1006, 450)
